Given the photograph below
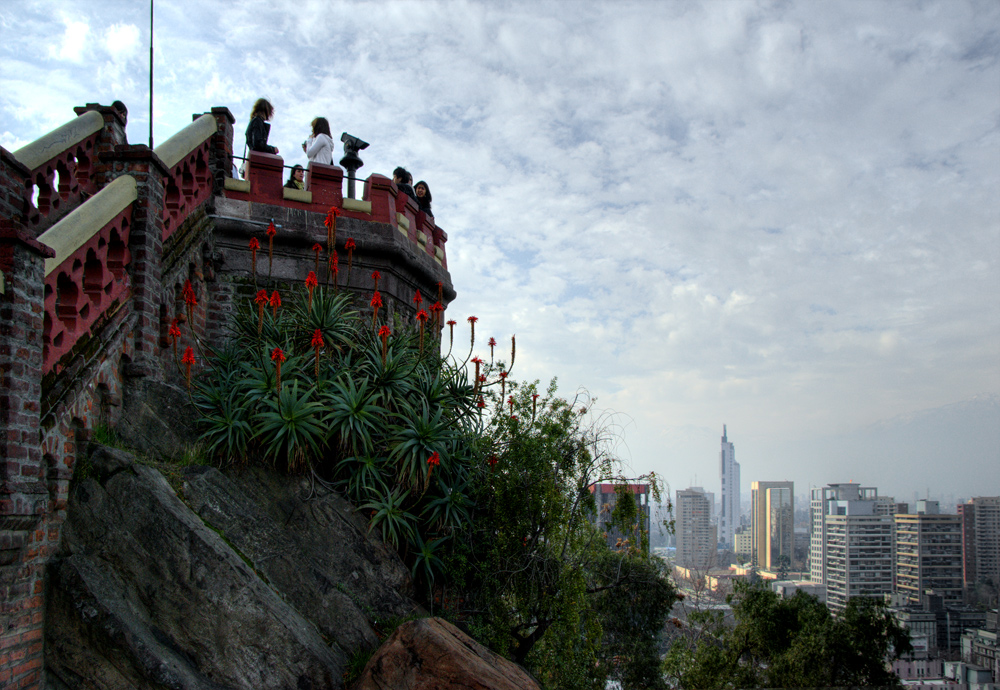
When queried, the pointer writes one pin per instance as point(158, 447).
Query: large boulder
point(316, 552)
point(432, 654)
point(148, 593)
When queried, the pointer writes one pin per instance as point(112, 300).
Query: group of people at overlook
point(319, 149)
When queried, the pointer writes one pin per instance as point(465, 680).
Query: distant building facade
point(606, 498)
point(929, 554)
point(851, 542)
point(980, 519)
point(772, 524)
point(729, 474)
point(696, 535)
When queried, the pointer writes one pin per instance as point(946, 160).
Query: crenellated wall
point(98, 239)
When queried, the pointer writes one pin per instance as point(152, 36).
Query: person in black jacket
point(403, 180)
point(423, 197)
point(259, 129)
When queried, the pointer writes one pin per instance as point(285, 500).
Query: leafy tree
point(788, 643)
point(541, 583)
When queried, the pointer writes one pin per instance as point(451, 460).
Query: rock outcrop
point(243, 584)
point(432, 654)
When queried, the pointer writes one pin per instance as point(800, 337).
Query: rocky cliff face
point(238, 581)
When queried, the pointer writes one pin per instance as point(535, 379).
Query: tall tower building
point(772, 524)
point(729, 472)
point(980, 540)
point(929, 554)
point(696, 535)
point(851, 542)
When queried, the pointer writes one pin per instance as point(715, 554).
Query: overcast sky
point(781, 216)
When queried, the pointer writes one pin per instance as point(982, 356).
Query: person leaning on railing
point(296, 178)
point(258, 131)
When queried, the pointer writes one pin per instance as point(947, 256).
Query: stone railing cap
point(174, 149)
point(58, 140)
point(76, 229)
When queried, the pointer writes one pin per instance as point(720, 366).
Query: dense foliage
point(481, 483)
point(788, 643)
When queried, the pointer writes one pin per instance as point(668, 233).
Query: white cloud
point(73, 42)
point(782, 216)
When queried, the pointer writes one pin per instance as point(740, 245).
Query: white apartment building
point(851, 543)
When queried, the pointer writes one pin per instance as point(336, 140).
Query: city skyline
point(779, 216)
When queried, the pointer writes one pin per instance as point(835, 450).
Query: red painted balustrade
point(189, 182)
point(61, 165)
point(88, 275)
point(382, 202)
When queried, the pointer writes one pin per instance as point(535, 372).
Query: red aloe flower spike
point(503, 384)
point(191, 301)
point(376, 303)
point(331, 229)
point(334, 270)
point(433, 461)
point(188, 360)
point(417, 298)
point(317, 342)
point(375, 276)
point(261, 301)
point(472, 322)
point(311, 284)
point(174, 333)
point(421, 319)
point(492, 344)
point(277, 356)
point(275, 303)
point(510, 403)
point(477, 362)
point(513, 351)
point(271, 232)
point(254, 246)
point(437, 309)
point(317, 248)
point(384, 334)
point(451, 332)
point(493, 459)
point(481, 402)
point(534, 400)
point(349, 246)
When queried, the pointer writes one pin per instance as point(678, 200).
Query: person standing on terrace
point(319, 147)
point(259, 128)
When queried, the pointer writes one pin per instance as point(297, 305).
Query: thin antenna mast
point(150, 74)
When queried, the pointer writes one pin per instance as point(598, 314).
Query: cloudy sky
point(781, 216)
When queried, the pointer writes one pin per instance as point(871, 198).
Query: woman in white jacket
point(319, 147)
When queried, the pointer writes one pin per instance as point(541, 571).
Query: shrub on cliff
point(481, 483)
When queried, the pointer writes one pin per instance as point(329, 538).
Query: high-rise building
point(772, 524)
point(851, 543)
point(696, 535)
point(606, 497)
point(929, 554)
point(980, 540)
point(729, 473)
